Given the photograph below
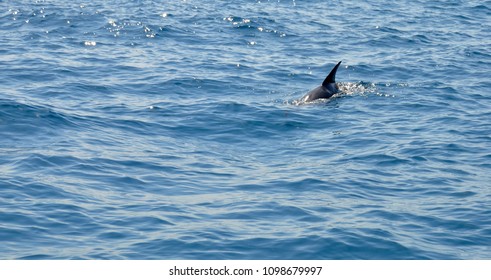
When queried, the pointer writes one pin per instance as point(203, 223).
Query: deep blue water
point(150, 130)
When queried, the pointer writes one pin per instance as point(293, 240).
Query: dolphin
point(326, 90)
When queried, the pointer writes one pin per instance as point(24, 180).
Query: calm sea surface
point(153, 130)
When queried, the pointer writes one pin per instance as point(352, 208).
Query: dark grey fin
point(332, 76)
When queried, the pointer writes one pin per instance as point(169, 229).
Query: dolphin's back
point(326, 90)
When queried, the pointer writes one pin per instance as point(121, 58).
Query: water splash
point(345, 89)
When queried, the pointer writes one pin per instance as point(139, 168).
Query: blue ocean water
point(154, 130)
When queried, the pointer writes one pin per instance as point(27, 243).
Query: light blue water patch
point(153, 130)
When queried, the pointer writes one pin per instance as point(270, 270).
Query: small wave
point(255, 24)
point(18, 116)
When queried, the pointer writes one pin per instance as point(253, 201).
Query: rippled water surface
point(153, 130)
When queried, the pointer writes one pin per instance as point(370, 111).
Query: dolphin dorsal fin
point(332, 76)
